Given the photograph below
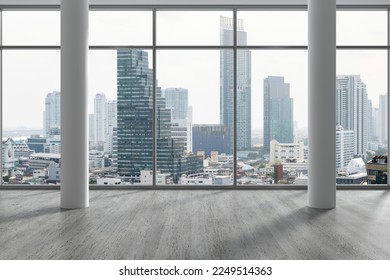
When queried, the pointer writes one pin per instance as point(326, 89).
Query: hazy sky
point(29, 75)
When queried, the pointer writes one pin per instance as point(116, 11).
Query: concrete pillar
point(322, 103)
point(74, 117)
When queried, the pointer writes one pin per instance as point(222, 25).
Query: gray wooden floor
point(194, 225)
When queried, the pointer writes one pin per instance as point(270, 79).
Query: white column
point(74, 117)
point(322, 103)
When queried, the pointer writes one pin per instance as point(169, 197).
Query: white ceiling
point(194, 2)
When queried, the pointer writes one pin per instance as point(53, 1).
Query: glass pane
point(361, 116)
point(31, 117)
point(192, 27)
point(361, 28)
point(31, 27)
point(272, 27)
point(120, 28)
point(272, 138)
point(193, 146)
point(120, 117)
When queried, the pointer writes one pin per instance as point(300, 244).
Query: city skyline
point(44, 65)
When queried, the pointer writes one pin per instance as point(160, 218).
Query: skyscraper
point(375, 123)
point(135, 112)
point(370, 120)
point(52, 113)
point(351, 109)
point(243, 83)
point(278, 117)
point(135, 119)
point(105, 120)
point(112, 123)
point(176, 100)
point(91, 123)
point(383, 119)
point(100, 103)
point(345, 146)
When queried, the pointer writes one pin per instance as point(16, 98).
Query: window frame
point(235, 48)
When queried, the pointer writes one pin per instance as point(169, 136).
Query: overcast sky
point(29, 75)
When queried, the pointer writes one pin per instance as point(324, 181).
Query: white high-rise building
point(351, 109)
point(375, 123)
point(52, 113)
point(189, 130)
point(91, 122)
point(100, 118)
point(383, 119)
point(112, 122)
point(345, 146)
point(105, 120)
point(370, 120)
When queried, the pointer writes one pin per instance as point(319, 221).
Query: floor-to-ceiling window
point(31, 124)
point(194, 96)
point(361, 97)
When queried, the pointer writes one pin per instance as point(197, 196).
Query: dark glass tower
point(278, 112)
point(135, 112)
point(243, 83)
point(135, 119)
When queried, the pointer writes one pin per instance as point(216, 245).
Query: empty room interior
point(194, 130)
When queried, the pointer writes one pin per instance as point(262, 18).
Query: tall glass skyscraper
point(135, 120)
point(243, 83)
point(135, 112)
point(278, 112)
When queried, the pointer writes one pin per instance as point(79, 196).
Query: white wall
point(194, 2)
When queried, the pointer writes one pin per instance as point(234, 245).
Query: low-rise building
point(21, 149)
point(54, 173)
point(42, 160)
point(146, 178)
point(8, 157)
point(286, 152)
point(96, 159)
point(377, 170)
point(108, 181)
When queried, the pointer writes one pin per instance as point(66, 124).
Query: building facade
point(176, 100)
point(377, 170)
point(243, 84)
point(351, 109)
point(52, 113)
point(8, 157)
point(134, 150)
point(286, 152)
point(383, 111)
point(345, 147)
point(211, 137)
point(278, 117)
point(100, 109)
point(112, 124)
